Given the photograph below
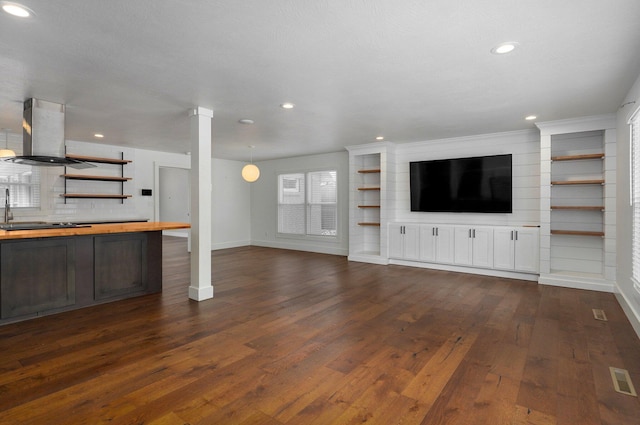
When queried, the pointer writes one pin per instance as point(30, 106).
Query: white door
point(463, 246)
point(503, 248)
point(482, 238)
point(174, 196)
point(444, 244)
point(427, 243)
point(526, 250)
point(411, 242)
point(396, 241)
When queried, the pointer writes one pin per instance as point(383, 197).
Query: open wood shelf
point(98, 159)
point(94, 195)
point(577, 157)
point(577, 207)
point(368, 224)
point(370, 170)
point(99, 178)
point(368, 206)
point(120, 162)
point(368, 188)
point(570, 182)
point(576, 233)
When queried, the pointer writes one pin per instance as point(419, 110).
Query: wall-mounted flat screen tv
point(480, 184)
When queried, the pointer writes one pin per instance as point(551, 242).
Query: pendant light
point(6, 152)
point(250, 172)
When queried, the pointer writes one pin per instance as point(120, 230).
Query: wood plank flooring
point(302, 338)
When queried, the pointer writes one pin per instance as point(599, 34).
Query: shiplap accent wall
point(523, 145)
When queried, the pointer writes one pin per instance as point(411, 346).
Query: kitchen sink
point(36, 225)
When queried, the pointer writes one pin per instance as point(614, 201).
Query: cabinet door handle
point(437, 232)
point(516, 235)
point(433, 231)
point(474, 233)
point(512, 235)
point(469, 233)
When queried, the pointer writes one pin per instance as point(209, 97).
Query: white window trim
point(634, 194)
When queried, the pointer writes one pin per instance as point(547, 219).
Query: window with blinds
point(308, 203)
point(23, 181)
point(635, 200)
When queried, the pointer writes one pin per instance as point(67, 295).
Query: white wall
point(628, 296)
point(231, 205)
point(264, 203)
point(523, 145)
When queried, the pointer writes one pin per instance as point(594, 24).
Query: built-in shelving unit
point(577, 217)
point(369, 188)
point(121, 162)
point(367, 232)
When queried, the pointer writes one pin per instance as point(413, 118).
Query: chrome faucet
point(8, 215)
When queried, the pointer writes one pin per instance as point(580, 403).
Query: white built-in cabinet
point(473, 246)
point(577, 202)
point(404, 241)
point(515, 249)
point(512, 249)
point(436, 243)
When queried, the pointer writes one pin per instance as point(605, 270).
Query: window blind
point(307, 203)
point(23, 181)
point(291, 203)
point(322, 205)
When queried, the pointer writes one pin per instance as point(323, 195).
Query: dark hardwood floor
point(301, 338)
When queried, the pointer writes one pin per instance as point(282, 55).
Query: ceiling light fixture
point(6, 152)
point(380, 138)
point(99, 136)
point(16, 9)
point(245, 121)
point(505, 47)
point(530, 117)
point(287, 105)
point(250, 172)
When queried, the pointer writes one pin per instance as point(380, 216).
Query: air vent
point(598, 314)
point(622, 381)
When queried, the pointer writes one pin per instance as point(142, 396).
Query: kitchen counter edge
point(94, 229)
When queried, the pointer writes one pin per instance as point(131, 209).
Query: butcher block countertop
point(93, 229)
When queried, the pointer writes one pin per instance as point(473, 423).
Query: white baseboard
point(308, 247)
point(628, 307)
point(200, 294)
point(577, 282)
point(372, 259)
point(472, 270)
point(230, 244)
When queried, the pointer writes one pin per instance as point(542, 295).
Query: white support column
point(200, 288)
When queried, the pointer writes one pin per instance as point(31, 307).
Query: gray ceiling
point(410, 70)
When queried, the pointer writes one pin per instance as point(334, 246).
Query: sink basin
point(36, 225)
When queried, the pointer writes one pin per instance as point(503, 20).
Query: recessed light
point(530, 117)
point(16, 9)
point(287, 105)
point(380, 138)
point(98, 136)
point(503, 48)
point(245, 121)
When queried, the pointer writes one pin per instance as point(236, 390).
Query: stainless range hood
point(43, 136)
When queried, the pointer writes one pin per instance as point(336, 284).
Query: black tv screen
point(479, 184)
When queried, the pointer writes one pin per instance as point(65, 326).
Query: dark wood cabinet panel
point(120, 265)
point(41, 276)
point(36, 275)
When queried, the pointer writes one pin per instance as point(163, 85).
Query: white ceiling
point(410, 70)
